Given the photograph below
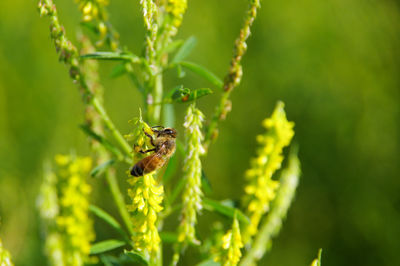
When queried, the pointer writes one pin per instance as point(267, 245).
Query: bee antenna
point(157, 127)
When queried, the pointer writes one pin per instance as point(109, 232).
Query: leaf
point(183, 95)
point(109, 260)
point(172, 46)
point(112, 56)
point(136, 257)
point(203, 72)
point(185, 49)
point(118, 71)
point(98, 170)
point(109, 220)
point(90, 26)
point(180, 71)
point(108, 145)
point(209, 262)
point(169, 237)
point(317, 261)
point(106, 245)
point(213, 205)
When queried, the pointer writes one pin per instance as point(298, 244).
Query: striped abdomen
point(148, 165)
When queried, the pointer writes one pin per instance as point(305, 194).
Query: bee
point(164, 147)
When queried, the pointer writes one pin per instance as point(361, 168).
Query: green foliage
point(143, 216)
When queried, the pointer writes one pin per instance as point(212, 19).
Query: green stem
point(119, 200)
point(234, 76)
point(154, 108)
point(110, 125)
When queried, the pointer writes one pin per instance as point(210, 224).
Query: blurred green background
point(335, 63)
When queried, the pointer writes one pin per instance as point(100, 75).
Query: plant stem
point(119, 200)
point(154, 110)
point(110, 125)
point(234, 76)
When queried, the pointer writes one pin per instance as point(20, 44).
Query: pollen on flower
point(261, 188)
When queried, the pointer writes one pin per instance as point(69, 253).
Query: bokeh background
point(335, 63)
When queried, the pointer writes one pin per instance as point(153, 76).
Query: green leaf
point(317, 261)
point(108, 145)
point(109, 220)
point(136, 257)
point(112, 56)
point(213, 205)
point(109, 260)
point(106, 245)
point(183, 95)
point(118, 71)
point(169, 237)
point(90, 26)
point(98, 170)
point(185, 49)
point(203, 72)
point(172, 46)
point(180, 71)
point(209, 262)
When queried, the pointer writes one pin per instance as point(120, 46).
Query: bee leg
point(150, 137)
point(146, 151)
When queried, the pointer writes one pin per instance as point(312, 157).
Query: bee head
point(168, 132)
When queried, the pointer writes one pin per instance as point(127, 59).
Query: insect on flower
point(164, 147)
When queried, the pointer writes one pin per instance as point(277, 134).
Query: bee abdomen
point(137, 170)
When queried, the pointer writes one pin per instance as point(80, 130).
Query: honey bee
point(164, 148)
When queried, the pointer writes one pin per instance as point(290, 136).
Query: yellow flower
point(176, 9)
point(231, 245)
point(261, 187)
point(5, 258)
point(146, 198)
point(64, 206)
point(92, 9)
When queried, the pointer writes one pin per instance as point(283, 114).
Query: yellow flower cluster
point(261, 188)
point(176, 8)
point(5, 258)
point(146, 197)
point(192, 194)
point(64, 206)
point(92, 9)
point(231, 245)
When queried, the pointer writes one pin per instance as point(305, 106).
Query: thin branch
point(234, 76)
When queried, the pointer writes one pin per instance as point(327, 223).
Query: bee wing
point(154, 161)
